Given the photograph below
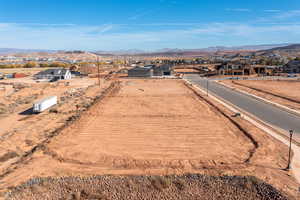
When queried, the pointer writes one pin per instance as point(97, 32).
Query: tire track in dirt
point(129, 163)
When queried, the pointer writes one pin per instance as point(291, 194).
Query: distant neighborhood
point(65, 64)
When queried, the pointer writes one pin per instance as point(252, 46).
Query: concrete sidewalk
point(295, 163)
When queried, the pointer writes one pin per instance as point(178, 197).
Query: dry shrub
point(80, 195)
point(29, 142)
point(8, 155)
point(3, 110)
point(179, 184)
point(160, 183)
point(53, 110)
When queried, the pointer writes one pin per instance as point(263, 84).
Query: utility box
point(44, 104)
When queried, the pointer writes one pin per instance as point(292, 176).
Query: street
point(268, 113)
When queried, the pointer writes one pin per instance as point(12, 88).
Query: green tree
point(44, 65)
point(298, 58)
point(30, 65)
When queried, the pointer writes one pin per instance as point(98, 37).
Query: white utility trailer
point(44, 104)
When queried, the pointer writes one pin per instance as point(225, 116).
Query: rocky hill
point(288, 51)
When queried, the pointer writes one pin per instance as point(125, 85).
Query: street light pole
point(290, 149)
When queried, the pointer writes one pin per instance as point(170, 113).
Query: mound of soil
point(189, 186)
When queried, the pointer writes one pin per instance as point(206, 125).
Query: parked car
point(292, 75)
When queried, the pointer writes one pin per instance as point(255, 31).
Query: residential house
point(54, 74)
point(141, 72)
point(163, 70)
point(244, 69)
point(292, 67)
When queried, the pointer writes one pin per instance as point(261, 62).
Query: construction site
point(156, 129)
point(149, 100)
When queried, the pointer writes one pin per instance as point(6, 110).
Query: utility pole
point(207, 85)
point(290, 149)
point(98, 67)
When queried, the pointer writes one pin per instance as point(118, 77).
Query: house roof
point(53, 72)
point(272, 67)
point(149, 66)
point(140, 69)
point(294, 62)
point(165, 67)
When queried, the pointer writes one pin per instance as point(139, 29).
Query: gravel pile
point(192, 186)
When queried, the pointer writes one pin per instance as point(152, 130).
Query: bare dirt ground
point(283, 92)
point(16, 98)
point(29, 71)
point(144, 127)
point(21, 130)
point(186, 71)
point(134, 127)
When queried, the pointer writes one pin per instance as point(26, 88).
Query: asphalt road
point(264, 111)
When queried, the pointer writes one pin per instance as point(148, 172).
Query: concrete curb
point(285, 108)
point(295, 163)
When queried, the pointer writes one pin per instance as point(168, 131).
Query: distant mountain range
point(288, 51)
point(289, 48)
point(177, 51)
point(233, 48)
point(166, 51)
point(4, 51)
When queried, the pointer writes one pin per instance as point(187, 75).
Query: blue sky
point(147, 25)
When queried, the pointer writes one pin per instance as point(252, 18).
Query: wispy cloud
point(272, 11)
point(238, 9)
point(141, 14)
point(288, 14)
point(109, 37)
point(164, 24)
point(102, 29)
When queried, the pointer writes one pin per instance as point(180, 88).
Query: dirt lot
point(21, 130)
point(16, 98)
point(186, 71)
point(140, 112)
point(151, 127)
point(284, 92)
